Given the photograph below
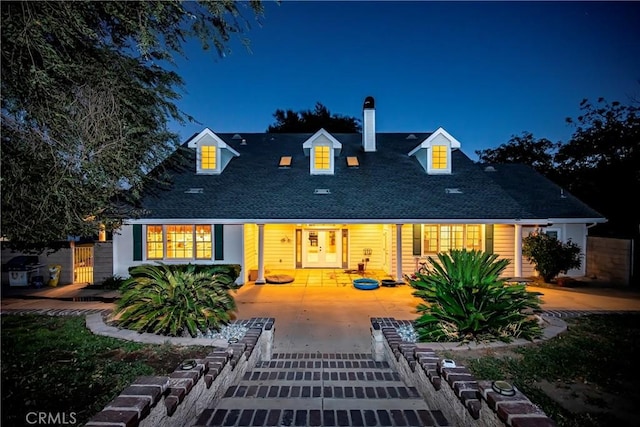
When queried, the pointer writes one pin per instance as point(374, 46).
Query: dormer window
point(322, 157)
point(212, 153)
point(322, 148)
point(439, 156)
point(208, 157)
point(434, 153)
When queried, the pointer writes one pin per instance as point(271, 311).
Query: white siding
point(366, 236)
point(279, 246)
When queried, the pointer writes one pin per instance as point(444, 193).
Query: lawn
point(585, 377)
point(53, 364)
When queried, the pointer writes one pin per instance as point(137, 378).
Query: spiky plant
point(171, 301)
point(468, 301)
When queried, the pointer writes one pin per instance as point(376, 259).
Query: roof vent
point(489, 169)
point(411, 136)
point(237, 136)
point(453, 191)
point(194, 191)
point(321, 191)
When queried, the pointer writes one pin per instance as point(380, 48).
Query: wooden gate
point(83, 264)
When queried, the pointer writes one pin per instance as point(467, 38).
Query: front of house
point(386, 200)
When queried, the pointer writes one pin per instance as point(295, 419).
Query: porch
point(322, 277)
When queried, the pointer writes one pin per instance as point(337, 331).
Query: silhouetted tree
point(601, 163)
point(309, 121)
point(537, 153)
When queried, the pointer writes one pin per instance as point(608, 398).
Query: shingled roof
point(387, 185)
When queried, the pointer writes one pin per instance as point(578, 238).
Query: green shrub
point(174, 300)
point(231, 270)
point(112, 282)
point(468, 301)
point(549, 255)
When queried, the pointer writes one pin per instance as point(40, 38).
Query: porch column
point(399, 278)
point(260, 280)
point(517, 251)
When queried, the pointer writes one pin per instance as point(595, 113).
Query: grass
point(55, 364)
point(598, 352)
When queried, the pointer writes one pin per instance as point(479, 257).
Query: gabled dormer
point(322, 148)
point(212, 153)
point(434, 153)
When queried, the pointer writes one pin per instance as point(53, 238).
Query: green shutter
point(218, 235)
point(417, 240)
point(488, 238)
point(137, 242)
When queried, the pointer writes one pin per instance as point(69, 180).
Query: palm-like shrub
point(468, 301)
point(174, 301)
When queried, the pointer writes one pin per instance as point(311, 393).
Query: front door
point(322, 248)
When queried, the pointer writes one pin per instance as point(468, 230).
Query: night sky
point(484, 71)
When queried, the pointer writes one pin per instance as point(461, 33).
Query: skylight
point(352, 162)
point(321, 191)
point(285, 162)
point(453, 191)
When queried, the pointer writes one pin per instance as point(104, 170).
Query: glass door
point(322, 248)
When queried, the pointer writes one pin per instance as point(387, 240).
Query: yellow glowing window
point(473, 239)
point(208, 157)
point(443, 238)
point(155, 242)
point(352, 162)
point(179, 241)
point(285, 161)
point(203, 242)
point(430, 239)
point(439, 156)
point(322, 157)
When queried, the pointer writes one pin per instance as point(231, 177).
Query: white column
point(399, 278)
point(260, 280)
point(517, 251)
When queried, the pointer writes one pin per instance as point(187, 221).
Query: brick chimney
point(369, 124)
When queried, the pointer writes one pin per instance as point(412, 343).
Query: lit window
point(352, 161)
point(155, 242)
point(439, 157)
point(179, 241)
point(203, 242)
point(473, 240)
point(443, 238)
point(208, 157)
point(285, 161)
point(322, 157)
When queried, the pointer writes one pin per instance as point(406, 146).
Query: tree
point(311, 121)
point(537, 153)
point(87, 94)
point(603, 155)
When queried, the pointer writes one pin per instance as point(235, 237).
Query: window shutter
point(488, 238)
point(417, 240)
point(137, 242)
point(218, 235)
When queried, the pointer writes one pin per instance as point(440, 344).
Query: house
point(322, 200)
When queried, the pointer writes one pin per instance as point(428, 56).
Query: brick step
point(323, 391)
point(304, 375)
point(321, 417)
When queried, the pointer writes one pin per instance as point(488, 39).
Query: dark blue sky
point(484, 71)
